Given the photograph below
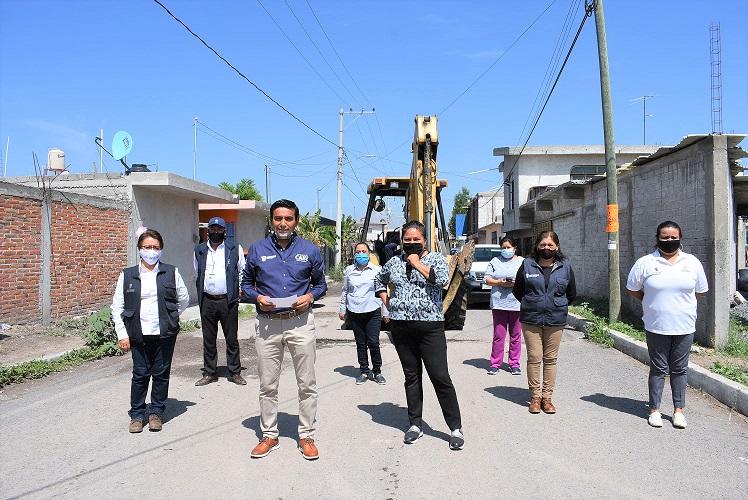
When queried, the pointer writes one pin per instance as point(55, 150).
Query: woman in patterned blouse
point(416, 280)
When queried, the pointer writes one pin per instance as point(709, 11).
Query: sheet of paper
point(282, 302)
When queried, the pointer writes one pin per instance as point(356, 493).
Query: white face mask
point(507, 253)
point(150, 257)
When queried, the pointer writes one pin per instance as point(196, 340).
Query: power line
point(311, 66)
point(501, 56)
point(319, 51)
point(336, 53)
point(354, 194)
point(302, 122)
point(587, 13)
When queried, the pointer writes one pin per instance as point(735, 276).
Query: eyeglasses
point(150, 247)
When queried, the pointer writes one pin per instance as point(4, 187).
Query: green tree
point(462, 200)
point(310, 228)
point(245, 188)
point(350, 236)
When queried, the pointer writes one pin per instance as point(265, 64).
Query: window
point(584, 172)
point(484, 254)
point(495, 237)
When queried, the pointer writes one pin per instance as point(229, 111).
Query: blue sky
point(69, 68)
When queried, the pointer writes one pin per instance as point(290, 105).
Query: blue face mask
point(362, 259)
point(507, 253)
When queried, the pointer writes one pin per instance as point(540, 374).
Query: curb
point(720, 388)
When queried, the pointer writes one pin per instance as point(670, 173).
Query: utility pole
point(339, 211)
point(318, 190)
point(644, 98)
point(194, 150)
point(101, 153)
point(614, 278)
point(267, 183)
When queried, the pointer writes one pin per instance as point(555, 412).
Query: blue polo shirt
point(277, 272)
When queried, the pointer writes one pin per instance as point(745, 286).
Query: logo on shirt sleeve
point(302, 257)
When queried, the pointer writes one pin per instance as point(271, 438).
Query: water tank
point(56, 160)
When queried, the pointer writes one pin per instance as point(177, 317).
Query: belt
point(280, 315)
point(215, 297)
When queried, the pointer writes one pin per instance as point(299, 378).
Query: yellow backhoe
point(422, 201)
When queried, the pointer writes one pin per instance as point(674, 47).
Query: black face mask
point(411, 248)
point(216, 237)
point(547, 254)
point(668, 246)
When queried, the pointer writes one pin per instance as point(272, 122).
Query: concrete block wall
point(20, 259)
point(672, 187)
point(88, 252)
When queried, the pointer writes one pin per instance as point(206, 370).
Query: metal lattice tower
point(715, 58)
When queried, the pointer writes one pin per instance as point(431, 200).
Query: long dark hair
point(541, 237)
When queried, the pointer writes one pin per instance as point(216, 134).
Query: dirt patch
point(26, 342)
point(710, 356)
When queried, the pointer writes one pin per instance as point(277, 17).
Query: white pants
point(299, 335)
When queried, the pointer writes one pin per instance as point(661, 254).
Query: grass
point(39, 368)
point(247, 311)
point(189, 325)
point(731, 371)
point(596, 311)
point(737, 338)
point(336, 273)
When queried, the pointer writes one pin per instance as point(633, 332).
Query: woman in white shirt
point(667, 282)
point(364, 312)
point(500, 275)
point(148, 300)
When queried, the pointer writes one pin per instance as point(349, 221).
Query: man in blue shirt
point(283, 276)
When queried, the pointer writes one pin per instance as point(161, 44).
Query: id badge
point(211, 280)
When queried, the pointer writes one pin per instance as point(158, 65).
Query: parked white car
point(477, 291)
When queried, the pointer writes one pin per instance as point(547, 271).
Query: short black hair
point(415, 224)
point(151, 233)
point(362, 243)
point(283, 203)
point(667, 224)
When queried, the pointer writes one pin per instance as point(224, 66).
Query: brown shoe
point(308, 449)
point(136, 425)
point(207, 379)
point(154, 422)
point(265, 446)
point(237, 379)
point(534, 405)
point(547, 406)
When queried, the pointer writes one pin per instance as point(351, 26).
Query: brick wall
point(20, 259)
point(88, 252)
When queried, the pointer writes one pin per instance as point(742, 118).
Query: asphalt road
point(66, 435)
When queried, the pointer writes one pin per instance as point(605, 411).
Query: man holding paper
point(283, 276)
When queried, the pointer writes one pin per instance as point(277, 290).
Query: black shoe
point(516, 370)
point(379, 379)
point(456, 440)
point(237, 379)
point(362, 378)
point(207, 379)
point(412, 434)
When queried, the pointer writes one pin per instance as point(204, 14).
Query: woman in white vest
point(667, 282)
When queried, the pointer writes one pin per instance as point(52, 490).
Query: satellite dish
point(121, 145)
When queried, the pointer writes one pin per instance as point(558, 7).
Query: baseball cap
point(217, 221)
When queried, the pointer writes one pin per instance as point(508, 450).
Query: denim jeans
point(152, 360)
point(366, 328)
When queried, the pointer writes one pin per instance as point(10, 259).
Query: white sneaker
point(679, 420)
point(655, 419)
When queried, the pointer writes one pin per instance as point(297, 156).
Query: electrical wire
point(320, 52)
point(268, 96)
point(587, 13)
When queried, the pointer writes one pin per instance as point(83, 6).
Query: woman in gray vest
point(148, 300)
point(545, 287)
